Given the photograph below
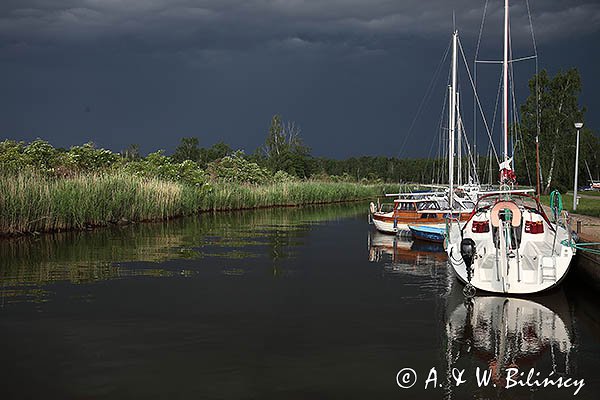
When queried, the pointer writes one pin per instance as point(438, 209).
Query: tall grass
point(31, 202)
point(233, 197)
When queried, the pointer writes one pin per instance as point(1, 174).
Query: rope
point(583, 246)
point(475, 77)
point(556, 203)
point(428, 93)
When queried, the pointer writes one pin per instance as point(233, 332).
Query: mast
point(537, 166)
point(452, 120)
point(459, 140)
point(505, 82)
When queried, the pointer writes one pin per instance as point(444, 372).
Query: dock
point(587, 264)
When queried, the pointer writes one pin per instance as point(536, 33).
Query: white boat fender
point(372, 207)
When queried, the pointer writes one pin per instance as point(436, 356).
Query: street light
point(578, 126)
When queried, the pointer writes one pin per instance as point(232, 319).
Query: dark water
point(302, 303)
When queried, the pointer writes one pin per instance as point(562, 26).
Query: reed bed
point(31, 202)
point(234, 197)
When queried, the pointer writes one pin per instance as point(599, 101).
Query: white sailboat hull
point(536, 263)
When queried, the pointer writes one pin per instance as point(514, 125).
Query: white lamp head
point(578, 125)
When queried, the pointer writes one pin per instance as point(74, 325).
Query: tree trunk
point(549, 182)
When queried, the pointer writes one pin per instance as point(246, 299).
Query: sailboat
point(594, 185)
point(424, 214)
point(509, 245)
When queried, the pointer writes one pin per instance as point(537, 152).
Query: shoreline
point(28, 213)
point(587, 265)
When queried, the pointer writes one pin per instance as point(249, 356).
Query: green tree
point(215, 152)
point(188, 149)
point(556, 109)
point(132, 152)
point(283, 149)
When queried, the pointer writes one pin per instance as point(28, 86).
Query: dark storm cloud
point(343, 69)
point(235, 24)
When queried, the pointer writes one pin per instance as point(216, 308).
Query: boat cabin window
point(406, 206)
point(428, 216)
point(428, 205)
point(468, 205)
point(387, 207)
point(443, 204)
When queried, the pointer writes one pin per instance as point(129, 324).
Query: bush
point(88, 158)
point(157, 165)
point(284, 177)
point(12, 158)
point(41, 155)
point(236, 169)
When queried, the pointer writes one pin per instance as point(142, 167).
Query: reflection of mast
point(502, 332)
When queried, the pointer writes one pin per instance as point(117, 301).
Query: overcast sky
point(351, 73)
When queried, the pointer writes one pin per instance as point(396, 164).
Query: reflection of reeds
point(35, 203)
point(83, 256)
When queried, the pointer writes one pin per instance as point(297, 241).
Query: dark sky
point(351, 73)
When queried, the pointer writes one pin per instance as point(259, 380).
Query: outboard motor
point(467, 251)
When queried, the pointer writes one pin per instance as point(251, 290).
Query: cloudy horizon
point(351, 73)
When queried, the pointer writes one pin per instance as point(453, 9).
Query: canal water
point(294, 303)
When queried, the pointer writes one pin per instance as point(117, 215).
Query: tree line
point(549, 113)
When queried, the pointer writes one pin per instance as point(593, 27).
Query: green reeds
point(31, 202)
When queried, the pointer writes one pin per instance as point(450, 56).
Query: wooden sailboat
point(429, 208)
point(509, 245)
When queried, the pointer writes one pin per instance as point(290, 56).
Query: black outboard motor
point(467, 251)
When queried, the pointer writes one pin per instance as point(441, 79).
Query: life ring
point(372, 208)
point(505, 205)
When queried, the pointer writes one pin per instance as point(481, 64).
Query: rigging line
point(475, 73)
point(439, 135)
point(537, 89)
point(435, 138)
point(423, 100)
point(518, 134)
point(525, 158)
point(497, 102)
point(443, 142)
point(472, 162)
point(477, 98)
point(514, 60)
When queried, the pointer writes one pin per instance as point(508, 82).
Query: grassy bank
point(587, 205)
point(32, 202)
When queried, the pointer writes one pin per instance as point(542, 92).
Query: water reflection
point(400, 255)
point(29, 263)
point(496, 333)
point(267, 304)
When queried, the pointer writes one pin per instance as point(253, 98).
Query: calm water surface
point(303, 303)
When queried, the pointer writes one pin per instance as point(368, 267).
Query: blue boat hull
point(435, 235)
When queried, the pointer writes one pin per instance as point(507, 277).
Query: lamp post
point(578, 126)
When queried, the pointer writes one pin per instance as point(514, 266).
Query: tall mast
point(459, 140)
point(505, 83)
point(452, 120)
